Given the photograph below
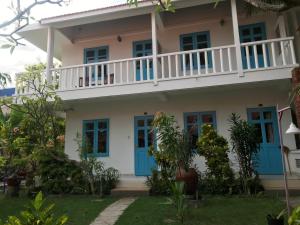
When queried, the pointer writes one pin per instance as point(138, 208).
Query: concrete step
point(129, 192)
point(131, 185)
point(276, 182)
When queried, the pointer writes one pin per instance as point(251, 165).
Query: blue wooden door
point(268, 159)
point(251, 33)
point(143, 139)
point(140, 49)
point(94, 55)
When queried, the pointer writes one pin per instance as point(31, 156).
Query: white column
point(237, 41)
point(154, 46)
point(50, 51)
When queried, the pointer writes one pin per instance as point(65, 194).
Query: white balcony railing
point(260, 55)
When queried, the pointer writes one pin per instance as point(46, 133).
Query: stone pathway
point(111, 214)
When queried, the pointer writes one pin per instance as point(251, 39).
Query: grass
point(212, 211)
point(81, 210)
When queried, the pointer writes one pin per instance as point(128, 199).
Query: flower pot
point(273, 221)
point(13, 186)
point(190, 178)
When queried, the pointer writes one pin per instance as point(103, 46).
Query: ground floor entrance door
point(143, 139)
point(268, 160)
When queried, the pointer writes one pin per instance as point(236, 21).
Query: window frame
point(95, 49)
point(96, 141)
point(199, 122)
point(194, 43)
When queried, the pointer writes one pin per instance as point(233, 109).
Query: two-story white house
point(122, 64)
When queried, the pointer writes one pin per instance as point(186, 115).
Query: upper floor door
point(94, 55)
point(251, 33)
point(141, 49)
point(193, 41)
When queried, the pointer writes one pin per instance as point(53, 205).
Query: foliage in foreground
point(37, 214)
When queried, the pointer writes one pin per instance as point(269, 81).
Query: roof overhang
point(37, 33)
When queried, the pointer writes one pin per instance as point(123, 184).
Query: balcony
point(261, 61)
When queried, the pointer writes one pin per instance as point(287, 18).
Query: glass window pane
point(187, 40)
point(102, 125)
point(208, 118)
point(202, 45)
point(192, 119)
point(141, 123)
point(257, 30)
point(150, 138)
point(102, 141)
point(89, 142)
point(255, 116)
point(202, 38)
point(267, 115)
point(148, 46)
point(188, 47)
point(102, 52)
point(90, 54)
point(246, 32)
point(259, 132)
point(139, 47)
point(89, 126)
point(269, 133)
point(141, 138)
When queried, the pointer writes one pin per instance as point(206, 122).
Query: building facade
point(121, 65)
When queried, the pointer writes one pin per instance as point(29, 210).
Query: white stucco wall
point(121, 114)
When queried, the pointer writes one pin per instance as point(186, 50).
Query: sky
point(29, 54)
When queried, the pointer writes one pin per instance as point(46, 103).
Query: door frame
point(134, 52)
point(261, 63)
point(135, 144)
point(276, 131)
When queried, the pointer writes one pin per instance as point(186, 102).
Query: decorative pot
point(190, 178)
point(273, 221)
point(13, 186)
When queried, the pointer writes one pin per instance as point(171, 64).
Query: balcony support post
point(154, 46)
point(237, 41)
point(50, 53)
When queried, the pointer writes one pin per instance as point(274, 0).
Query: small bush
point(214, 148)
point(158, 184)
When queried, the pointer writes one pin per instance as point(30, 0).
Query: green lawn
point(81, 210)
point(212, 211)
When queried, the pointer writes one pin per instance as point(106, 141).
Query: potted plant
point(176, 150)
point(13, 186)
point(276, 220)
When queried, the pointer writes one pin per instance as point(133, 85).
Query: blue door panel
point(143, 139)
point(268, 160)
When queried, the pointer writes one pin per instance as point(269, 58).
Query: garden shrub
point(158, 184)
point(58, 174)
point(219, 176)
point(245, 144)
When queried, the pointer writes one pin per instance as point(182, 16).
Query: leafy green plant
point(99, 179)
point(37, 214)
point(178, 200)
point(294, 219)
point(214, 149)
point(159, 184)
point(245, 144)
point(174, 147)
